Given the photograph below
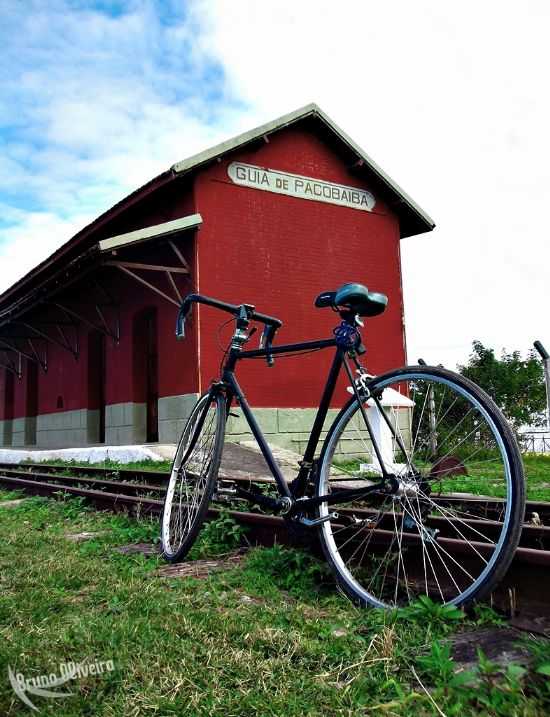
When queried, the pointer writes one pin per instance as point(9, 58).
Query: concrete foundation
point(18, 431)
point(285, 427)
point(125, 424)
point(6, 432)
point(173, 413)
point(67, 428)
point(24, 431)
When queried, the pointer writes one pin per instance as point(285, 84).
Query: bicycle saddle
point(356, 298)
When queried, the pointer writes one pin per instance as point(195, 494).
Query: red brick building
point(272, 217)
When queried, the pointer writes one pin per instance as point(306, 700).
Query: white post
point(385, 440)
point(546, 363)
point(383, 437)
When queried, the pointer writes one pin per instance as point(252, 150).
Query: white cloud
point(31, 238)
point(93, 107)
point(448, 99)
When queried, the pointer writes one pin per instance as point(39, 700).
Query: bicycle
point(411, 462)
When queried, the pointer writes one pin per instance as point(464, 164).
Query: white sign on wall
point(295, 185)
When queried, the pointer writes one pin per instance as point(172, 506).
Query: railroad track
point(142, 492)
point(487, 507)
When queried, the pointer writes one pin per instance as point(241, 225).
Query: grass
point(144, 465)
point(10, 495)
point(483, 480)
point(271, 637)
point(537, 476)
point(486, 479)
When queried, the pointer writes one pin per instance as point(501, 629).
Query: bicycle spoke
point(446, 513)
point(440, 442)
point(440, 547)
point(190, 477)
point(423, 535)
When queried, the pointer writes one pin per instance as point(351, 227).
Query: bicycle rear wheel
point(193, 477)
point(450, 529)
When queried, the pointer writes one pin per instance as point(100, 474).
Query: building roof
point(412, 218)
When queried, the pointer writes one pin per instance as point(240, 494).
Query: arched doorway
point(96, 384)
point(145, 351)
point(8, 409)
point(31, 403)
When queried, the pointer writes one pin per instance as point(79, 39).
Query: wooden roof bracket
point(165, 230)
point(112, 333)
point(11, 366)
point(144, 282)
point(34, 356)
point(63, 342)
point(42, 361)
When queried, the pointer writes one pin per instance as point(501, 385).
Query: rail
point(142, 493)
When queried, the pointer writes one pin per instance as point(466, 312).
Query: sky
point(450, 99)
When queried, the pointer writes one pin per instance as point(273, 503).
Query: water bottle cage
point(347, 336)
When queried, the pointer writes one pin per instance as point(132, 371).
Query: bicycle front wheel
point(193, 477)
point(450, 525)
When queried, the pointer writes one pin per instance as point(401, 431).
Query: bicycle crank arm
point(313, 522)
point(342, 496)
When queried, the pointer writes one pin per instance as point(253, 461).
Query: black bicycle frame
point(296, 489)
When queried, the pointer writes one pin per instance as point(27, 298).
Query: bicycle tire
point(502, 554)
point(200, 445)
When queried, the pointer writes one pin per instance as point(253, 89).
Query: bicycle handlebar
point(251, 313)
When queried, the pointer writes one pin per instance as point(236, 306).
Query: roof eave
point(413, 219)
point(94, 226)
point(418, 223)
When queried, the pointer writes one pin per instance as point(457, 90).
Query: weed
point(499, 694)
point(540, 652)
point(218, 536)
point(196, 647)
point(11, 495)
point(543, 681)
point(145, 465)
point(485, 615)
point(289, 569)
point(72, 506)
point(426, 610)
point(438, 664)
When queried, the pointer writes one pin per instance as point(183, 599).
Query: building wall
point(274, 251)
point(68, 412)
point(278, 252)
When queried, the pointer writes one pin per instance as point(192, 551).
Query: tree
point(515, 384)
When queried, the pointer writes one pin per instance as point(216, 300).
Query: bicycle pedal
point(313, 522)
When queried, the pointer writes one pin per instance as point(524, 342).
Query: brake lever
point(180, 325)
point(265, 343)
